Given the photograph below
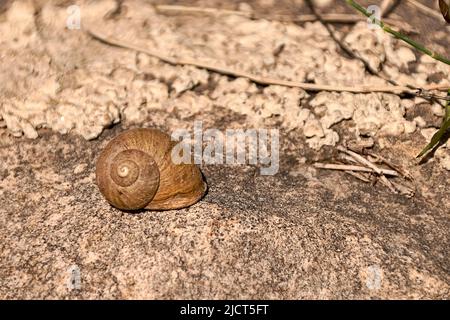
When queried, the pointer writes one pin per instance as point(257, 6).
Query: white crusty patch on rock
point(372, 114)
point(63, 80)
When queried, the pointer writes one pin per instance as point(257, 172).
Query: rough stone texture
point(303, 233)
point(278, 237)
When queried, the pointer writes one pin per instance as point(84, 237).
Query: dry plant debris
point(373, 171)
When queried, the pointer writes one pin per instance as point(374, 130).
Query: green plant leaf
point(440, 133)
point(445, 9)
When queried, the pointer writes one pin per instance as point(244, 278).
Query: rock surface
point(275, 237)
point(300, 234)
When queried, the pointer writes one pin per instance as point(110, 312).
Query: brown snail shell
point(135, 171)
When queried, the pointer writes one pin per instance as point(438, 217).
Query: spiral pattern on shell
point(135, 171)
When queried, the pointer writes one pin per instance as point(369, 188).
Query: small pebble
point(80, 168)
point(445, 162)
point(410, 126)
point(419, 100)
point(245, 7)
point(438, 110)
point(407, 104)
point(406, 55)
point(428, 133)
point(421, 123)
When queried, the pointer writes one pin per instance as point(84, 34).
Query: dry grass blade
point(344, 47)
point(360, 159)
point(370, 165)
point(368, 168)
point(344, 167)
point(359, 176)
point(388, 184)
point(403, 172)
point(329, 17)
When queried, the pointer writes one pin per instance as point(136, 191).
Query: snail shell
point(135, 171)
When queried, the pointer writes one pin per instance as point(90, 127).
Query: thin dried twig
point(344, 47)
point(329, 17)
point(355, 55)
point(344, 167)
point(360, 159)
point(259, 79)
point(403, 172)
point(359, 176)
point(388, 184)
point(369, 167)
point(391, 185)
point(168, 8)
point(425, 9)
point(349, 159)
point(372, 166)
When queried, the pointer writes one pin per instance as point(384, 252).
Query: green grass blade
point(440, 133)
point(397, 34)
